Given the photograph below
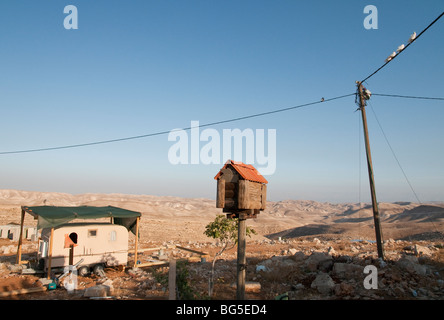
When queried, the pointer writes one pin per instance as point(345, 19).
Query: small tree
point(225, 230)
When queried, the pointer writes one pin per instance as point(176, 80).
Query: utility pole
point(241, 258)
point(370, 174)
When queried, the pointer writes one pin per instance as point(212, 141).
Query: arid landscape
point(302, 250)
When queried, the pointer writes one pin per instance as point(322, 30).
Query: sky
point(134, 68)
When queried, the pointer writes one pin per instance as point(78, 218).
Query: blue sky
point(139, 67)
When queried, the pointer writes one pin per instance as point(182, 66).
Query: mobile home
point(95, 243)
point(63, 242)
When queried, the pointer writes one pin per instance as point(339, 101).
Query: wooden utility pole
point(241, 258)
point(378, 230)
point(51, 240)
point(137, 241)
point(172, 280)
point(19, 249)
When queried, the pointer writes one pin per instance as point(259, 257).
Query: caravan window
point(113, 235)
point(92, 233)
point(73, 237)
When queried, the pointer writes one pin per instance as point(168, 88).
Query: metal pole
point(378, 230)
point(241, 259)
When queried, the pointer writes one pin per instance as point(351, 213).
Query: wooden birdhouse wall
point(251, 195)
point(236, 193)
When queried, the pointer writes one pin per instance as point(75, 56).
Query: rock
point(323, 283)
point(353, 249)
point(100, 290)
point(299, 256)
point(298, 286)
point(331, 251)
point(410, 264)
point(316, 259)
point(344, 289)
point(16, 268)
point(109, 283)
point(325, 265)
point(261, 268)
point(292, 251)
point(422, 251)
point(250, 286)
point(277, 261)
point(344, 259)
point(344, 269)
point(382, 263)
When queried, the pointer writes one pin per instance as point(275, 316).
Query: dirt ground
point(290, 236)
point(151, 283)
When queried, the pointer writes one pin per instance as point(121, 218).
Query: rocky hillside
point(285, 219)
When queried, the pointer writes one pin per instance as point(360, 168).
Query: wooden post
point(22, 291)
point(50, 253)
point(241, 258)
point(18, 259)
point(71, 255)
point(378, 230)
point(137, 241)
point(172, 280)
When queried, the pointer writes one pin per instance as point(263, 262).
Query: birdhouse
point(241, 190)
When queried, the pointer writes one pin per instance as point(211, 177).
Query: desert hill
point(175, 218)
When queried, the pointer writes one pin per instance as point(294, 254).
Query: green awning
point(52, 216)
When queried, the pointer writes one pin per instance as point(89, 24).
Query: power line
point(407, 97)
point(394, 155)
point(368, 77)
point(166, 132)
point(210, 124)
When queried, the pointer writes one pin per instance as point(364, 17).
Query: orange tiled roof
point(247, 171)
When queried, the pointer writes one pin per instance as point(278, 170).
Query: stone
point(344, 289)
point(250, 286)
point(261, 268)
point(100, 290)
point(422, 251)
point(298, 286)
point(343, 269)
point(299, 256)
point(323, 283)
point(331, 251)
point(410, 264)
point(109, 283)
point(316, 258)
point(45, 281)
point(15, 268)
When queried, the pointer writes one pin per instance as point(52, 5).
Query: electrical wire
point(406, 97)
point(368, 77)
point(166, 132)
point(394, 154)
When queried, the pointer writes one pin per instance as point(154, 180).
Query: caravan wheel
point(83, 271)
point(99, 270)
